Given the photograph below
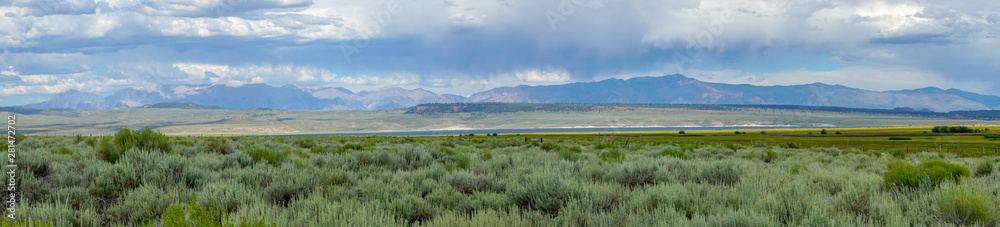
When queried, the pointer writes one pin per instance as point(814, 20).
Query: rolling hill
point(670, 89)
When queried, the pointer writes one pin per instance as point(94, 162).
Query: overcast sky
point(466, 46)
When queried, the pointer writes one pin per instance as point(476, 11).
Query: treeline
point(956, 129)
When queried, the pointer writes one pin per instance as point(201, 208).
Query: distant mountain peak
point(667, 89)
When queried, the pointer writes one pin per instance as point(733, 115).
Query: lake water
point(533, 130)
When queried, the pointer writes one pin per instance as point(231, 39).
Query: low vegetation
point(144, 178)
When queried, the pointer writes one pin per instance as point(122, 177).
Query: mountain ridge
point(668, 89)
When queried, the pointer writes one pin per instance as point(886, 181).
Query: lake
point(531, 130)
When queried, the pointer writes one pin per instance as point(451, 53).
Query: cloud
point(52, 84)
point(464, 46)
point(218, 8)
point(53, 7)
point(9, 76)
point(536, 75)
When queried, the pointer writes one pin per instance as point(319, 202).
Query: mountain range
point(670, 89)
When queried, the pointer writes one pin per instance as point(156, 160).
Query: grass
point(906, 139)
point(570, 179)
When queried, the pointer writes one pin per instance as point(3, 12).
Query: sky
point(467, 46)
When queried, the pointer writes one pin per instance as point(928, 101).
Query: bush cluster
point(932, 171)
point(984, 167)
point(195, 215)
point(963, 205)
point(270, 155)
point(952, 129)
point(112, 148)
point(218, 145)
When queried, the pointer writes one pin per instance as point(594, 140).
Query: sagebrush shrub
point(141, 204)
point(675, 152)
point(766, 155)
point(461, 160)
point(827, 150)
point(726, 173)
point(195, 215)
point(612, 155)
point(271, 155)
point(77, 197)
point(467, 182)
point(569, 155)
point(227, 195)
point(903, 174)
point(142, 139)
point(350, 147)
point(549, 146)
point(413, 209)
point(319, 150)
point(305, 143)
point(284, 190)
point(574, 149)
point(940, 171)
point(543, 192)
point(106, 150)
point(112, 148)
point(65, 150)
point(28, 143)
point(446, 198)
point(633, 174)
point(984, 167)
point(964, 205)
point(932, 171)
point(217, 145)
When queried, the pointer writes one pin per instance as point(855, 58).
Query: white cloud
point(536, 75)
point(288, 74)
point(387, 79)
point(52, 84)
point(483, 44)
point(305, 78)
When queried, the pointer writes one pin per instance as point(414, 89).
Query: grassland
point(894, 139)
point(269, 122)
point(507, 180)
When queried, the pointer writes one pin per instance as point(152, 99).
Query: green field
point(144, 178)
point(896, 139)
